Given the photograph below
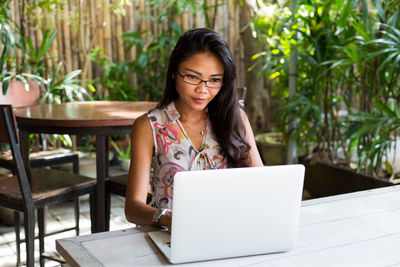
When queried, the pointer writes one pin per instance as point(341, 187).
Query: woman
point(197, 125)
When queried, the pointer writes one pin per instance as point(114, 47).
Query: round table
point(99, 118)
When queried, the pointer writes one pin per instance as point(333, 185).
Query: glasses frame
point(205, 81)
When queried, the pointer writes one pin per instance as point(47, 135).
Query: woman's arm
point(255, 159)
point(136, 209)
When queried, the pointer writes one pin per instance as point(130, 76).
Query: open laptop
point(233, 212)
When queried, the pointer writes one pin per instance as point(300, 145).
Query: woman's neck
point(189, 115)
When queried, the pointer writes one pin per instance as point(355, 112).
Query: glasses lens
point(191, 79)
point(214, 84)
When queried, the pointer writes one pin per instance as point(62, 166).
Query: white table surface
point(356, 229)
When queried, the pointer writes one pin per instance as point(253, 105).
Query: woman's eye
point(216, 80)
point(192, 77)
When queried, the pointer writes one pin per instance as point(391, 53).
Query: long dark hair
point(224, 109)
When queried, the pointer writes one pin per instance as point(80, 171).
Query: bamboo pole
point(155, 26)
point(67, 39)
point(59, 38)
point(31, 30)
point(87, 65)
point(98, 13)
point(185, 21)
point(113, 40)
point(119, 42)
point(54, 46)
point(199, 20)
point(221, 15)
point(239, 50)
point(114, 46)
point(142, 6)
point(231, 23)
point(74, 35)
point(90, 67)
point(99, 38)
point(133, 26)
point(80, 32)
point(17, 18)
point(107, 30)
point(82, 50)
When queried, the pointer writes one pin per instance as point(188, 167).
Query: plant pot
point(324, 179)
point(125, 164)
point(18, 96)
point(271, 148)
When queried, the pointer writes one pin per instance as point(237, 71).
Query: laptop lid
point(235, 212)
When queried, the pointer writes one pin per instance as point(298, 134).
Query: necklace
point(196, 130)
point(201, 132)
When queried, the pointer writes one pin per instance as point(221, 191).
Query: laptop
point(232, 212)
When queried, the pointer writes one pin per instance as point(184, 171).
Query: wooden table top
point(77, 114)
point(355, 229)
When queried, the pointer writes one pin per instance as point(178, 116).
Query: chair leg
point(108, 210)
point(77, 212)
point(75, 166)
point(92, 201)
point(17, 228)
point(29, 223)
point(41, 224)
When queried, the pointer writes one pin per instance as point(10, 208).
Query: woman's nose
point(202, 87)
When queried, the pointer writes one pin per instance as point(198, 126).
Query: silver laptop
point(233, 212)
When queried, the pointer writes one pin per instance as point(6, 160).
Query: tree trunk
point(257, 104)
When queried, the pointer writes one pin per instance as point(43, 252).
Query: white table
point(356, 229)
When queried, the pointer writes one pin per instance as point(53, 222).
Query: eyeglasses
point(214, 83)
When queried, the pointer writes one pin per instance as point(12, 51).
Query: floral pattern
point(174, 152)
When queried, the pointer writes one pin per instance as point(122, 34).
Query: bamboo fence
point(84, 24)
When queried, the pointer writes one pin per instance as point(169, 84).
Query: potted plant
point(346, 102)
point(271, 147)
point(124, 155)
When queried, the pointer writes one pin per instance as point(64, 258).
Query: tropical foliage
point(22, 60)
point(347, 99)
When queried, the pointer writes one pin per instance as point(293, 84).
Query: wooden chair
point(18, 96)
point(44, 187)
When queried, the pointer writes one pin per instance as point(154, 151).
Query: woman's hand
point(166, 220)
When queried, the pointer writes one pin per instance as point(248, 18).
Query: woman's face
point(204, 66)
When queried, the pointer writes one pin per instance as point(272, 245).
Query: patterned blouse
point(174, 152)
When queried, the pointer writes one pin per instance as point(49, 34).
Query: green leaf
point(379, 8)
point(384, 108)
point(31, 47)
point(344, 14)
point(258, 55)
point(46, 43)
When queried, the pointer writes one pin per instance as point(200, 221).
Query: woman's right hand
point(166, 220)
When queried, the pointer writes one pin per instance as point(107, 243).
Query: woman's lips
point(199, 100)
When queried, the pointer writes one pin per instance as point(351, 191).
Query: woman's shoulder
point(243, 114)
point(163, 115)
point(141, 123)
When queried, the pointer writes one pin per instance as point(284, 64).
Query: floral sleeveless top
point(174, 152)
